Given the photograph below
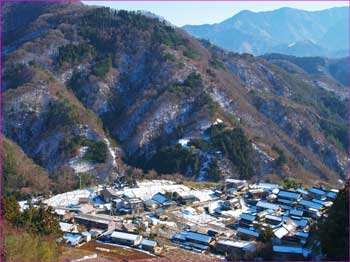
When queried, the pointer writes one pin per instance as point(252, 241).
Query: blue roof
point(331, 194)
point(302, 191)
point(266, 205)
point(288, 194)
point(288, 249)
point(285, 207)
point(318, 201)
point(160, 198)
point(97, 200)
point(285, 201)
point(71, 238)
point(310, 204)
point(300, 222)
point(302, 234)
point(271, 217)
point(197, 236)
point(147, 242)
point(248, 232)
point(317, 191)
point(247, 216)
point(296, 212)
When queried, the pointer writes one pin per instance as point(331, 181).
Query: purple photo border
point(259, 1)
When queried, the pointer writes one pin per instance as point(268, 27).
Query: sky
point(181, 13)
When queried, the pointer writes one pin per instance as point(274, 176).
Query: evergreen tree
point(334, 231)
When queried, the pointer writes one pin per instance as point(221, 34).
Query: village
point(160, 217)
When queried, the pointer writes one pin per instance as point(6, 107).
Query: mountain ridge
point(263, 32)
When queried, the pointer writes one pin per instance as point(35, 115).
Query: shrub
point(102, 66)
point(97, 152)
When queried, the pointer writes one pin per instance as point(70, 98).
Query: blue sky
point(181, 13)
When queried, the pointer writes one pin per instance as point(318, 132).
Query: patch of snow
point(69, 198)
point(111, 151)
point(183, 142)
point(218, 121)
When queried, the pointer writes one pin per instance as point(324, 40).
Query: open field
point(113, 252)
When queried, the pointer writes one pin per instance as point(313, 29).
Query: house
point(273, 220)
point(288, 227)
point(150, 205)
point(247, 234)
point(68, 227)
point(296, 212)
point(72, 239)
point(290, 195)
point(123, 204)
point(149, 245)
point(266, 185)
point(160, 198)
point(332, 195)
point(188, 199)
point(301, 222)
point(246, 219)
point(95, 232)
point(125, 238)
point(261, 205)
point(92, 221)
point(317, 192)
point(193, 240)
point(135, 205)
point(86, 236)
point(289, 252)
point(310, 205)
point(232, 185)
point(107, 194)
point(228, 246)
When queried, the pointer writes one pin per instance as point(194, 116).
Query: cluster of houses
point(118, 216)
point(286, 214)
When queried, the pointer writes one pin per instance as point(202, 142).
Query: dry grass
point(115, 253)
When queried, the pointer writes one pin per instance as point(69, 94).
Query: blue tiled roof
point(296, 212)
point(318, 201)
point(160, 198)
point(285, 201)
point(248, 232)
point(331, 194)
point(300, 222)
point(302, 234)
point(310, 204)
point(317, 191)
point(303, 191)
point(271, 217)
point(247, 216)
point(288, 194)
point(267, 205)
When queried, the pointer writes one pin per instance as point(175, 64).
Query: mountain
point(100, 92)
point(286, 30)
point(335, 69)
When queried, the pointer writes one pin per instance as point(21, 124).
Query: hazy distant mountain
point(286, 30)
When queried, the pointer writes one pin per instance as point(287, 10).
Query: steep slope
point(149, 85)
point(293, 31)
point(49, 123)
point(19, 173)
